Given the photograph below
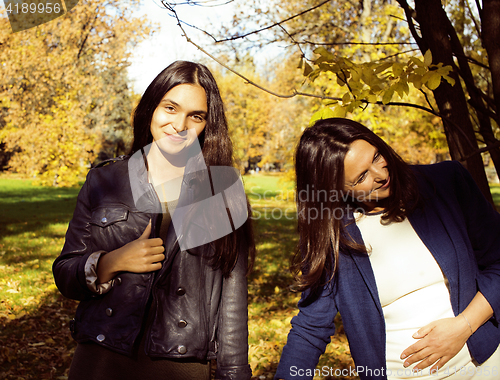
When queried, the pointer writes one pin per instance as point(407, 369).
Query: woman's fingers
point(417, 356)
point(424, 331)
point(414, 348)
point(437, 343)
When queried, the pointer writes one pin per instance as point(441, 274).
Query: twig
point(306, 42)
point(267, 27)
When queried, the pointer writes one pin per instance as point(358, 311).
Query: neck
point(163, 167)
point(374, 207)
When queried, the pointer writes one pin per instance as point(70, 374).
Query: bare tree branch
point(354, 43)
point(199, 3)
point(275, 24)
point(293, 92)
point(481, 150)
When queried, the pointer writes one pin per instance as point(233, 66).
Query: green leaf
point(322, 113)
point(388, 96)
point(314, 75)
point(346, 98)
point(324, 53)
point(382, 67)
point(372, 98)
point(339, 111)
point(417, 61)
point(450, 80)
point(434, 81)
point(406, 88)
point(428, 58)
point(399, 89)
point(420, 71)
point(397, 69)
point(307, 69)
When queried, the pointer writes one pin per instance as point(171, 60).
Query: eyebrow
point(178, 105)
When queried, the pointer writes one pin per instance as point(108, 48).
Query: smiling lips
point(175, 137)
point(386, 184)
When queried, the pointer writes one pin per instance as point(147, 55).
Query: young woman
point(162, 291)
point(408, 255)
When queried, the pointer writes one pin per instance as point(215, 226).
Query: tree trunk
point(483, 111)
point(490, 35)
point(450, 99)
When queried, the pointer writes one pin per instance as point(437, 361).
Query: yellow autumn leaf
point(388, 96)
point(428, 58)
point(433, 81)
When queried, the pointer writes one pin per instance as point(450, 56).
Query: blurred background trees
point(424, 75)
point(65, 98)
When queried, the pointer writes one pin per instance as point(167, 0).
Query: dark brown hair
point(217, 147)
point(323, 213)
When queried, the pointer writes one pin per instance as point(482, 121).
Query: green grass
point(495, 192)
point(33, 223)
point(34, 316)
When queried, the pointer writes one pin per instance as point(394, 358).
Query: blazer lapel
point(363, 265)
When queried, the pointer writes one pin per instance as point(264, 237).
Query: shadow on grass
point(31, 218)
point(38, 345)
point(276, 239)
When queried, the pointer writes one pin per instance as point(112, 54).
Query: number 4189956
point(33, 8)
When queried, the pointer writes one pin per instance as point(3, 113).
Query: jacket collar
point(362, 260)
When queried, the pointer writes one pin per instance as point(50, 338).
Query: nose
point(379, 173)
point(180, 123)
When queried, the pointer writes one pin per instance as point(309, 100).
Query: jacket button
point(100, 338)
point(181, 349)
point(109, 312)
point(182, 323)
point(180, 291)
point(118, 280)
point(104, 220)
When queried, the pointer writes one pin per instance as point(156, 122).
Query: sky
point(168, 44)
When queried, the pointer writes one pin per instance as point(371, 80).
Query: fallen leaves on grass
point(38, 345)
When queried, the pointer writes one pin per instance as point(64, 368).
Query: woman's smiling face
point(365, 172)
point(179, 118)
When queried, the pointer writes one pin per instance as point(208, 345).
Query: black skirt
point(94, 362)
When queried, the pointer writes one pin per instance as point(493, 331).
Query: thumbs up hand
point(139, 256)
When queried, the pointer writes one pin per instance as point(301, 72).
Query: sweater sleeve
point(483, 227)
point(311, 330)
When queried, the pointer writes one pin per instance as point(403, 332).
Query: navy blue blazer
point(461, 230)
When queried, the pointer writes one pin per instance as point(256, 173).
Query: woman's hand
point(438, 342)
point(139, 256)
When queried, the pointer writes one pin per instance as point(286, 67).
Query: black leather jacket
point(195, 312)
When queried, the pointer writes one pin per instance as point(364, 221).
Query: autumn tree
point(371, 52)
point(263, 127)
point(64, 91)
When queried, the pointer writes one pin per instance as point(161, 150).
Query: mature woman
point(408, 255)
point(162, 286)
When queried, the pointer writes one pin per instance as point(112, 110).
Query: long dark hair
point(322, 204)
point(217, 147)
